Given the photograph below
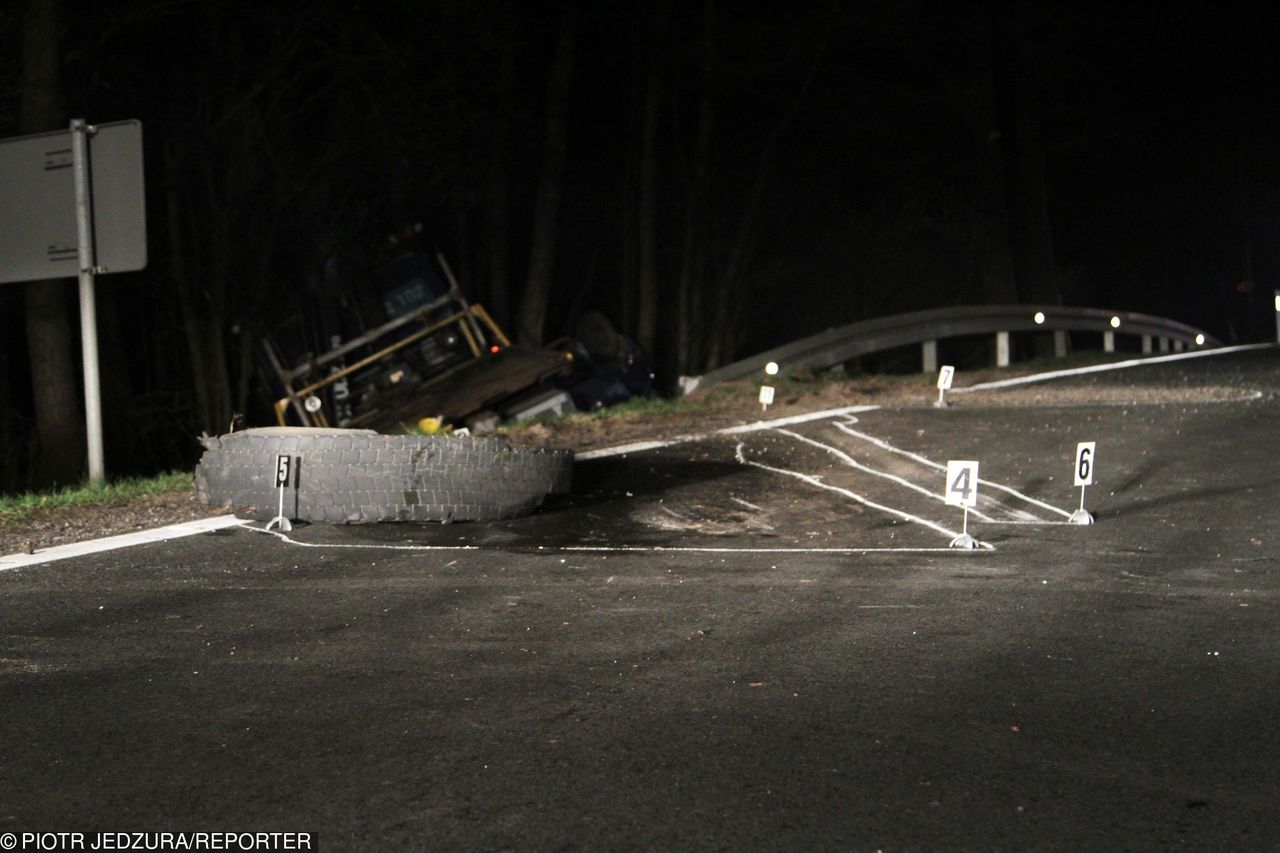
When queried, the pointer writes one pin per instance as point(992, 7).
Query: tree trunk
point(730, 285)
point(1038, 278)
point(546, 217)
point(992, 255)
point(647, 214)
point(182, 287)
point(59, 427)
point(693, 269)
point(496, 238)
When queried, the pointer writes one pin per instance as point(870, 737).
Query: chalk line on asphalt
point(112, 543)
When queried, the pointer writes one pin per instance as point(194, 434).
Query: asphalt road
point(699, 649)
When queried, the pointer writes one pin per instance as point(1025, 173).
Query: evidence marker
point(962, 491)
point(1083, 477)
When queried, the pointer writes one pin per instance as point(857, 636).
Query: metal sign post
point(88, 304)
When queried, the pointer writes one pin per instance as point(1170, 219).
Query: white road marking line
point(884, 445)
point(125, 540)
point(660, 549)
point(760, 426)
point(636, 447)
point(757, 426)
point(608, 549)
point(855, 464)
point(814, 481)
point(1101, 368)
point(367, 546)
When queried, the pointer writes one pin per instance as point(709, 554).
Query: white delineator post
point(945, 376)
point(1277, 297)
point(767, 390)
point(1083, 477)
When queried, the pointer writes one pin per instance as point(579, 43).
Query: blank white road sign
point(962, 483)
point(945, 375)
point(38, 236)
point(1084, 463)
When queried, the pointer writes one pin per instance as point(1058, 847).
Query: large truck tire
point(359, 476)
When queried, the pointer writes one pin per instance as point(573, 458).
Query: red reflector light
point(495, 349)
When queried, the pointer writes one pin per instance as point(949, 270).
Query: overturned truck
point(437, 359)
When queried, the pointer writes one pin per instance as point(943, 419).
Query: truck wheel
point(355, 476)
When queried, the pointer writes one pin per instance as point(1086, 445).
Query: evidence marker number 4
point(962, 491)
point(962, 483)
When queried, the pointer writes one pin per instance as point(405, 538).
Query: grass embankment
point(17, 508)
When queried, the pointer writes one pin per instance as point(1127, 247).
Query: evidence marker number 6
point(1085, 464)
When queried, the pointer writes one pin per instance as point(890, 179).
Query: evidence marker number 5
point(283, 465)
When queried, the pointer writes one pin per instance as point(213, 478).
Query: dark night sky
point(294, 133)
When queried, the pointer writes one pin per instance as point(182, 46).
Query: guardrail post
point(1059, 343)
point(1164, 345)
point(929, 356)
point(1108, 341)
point(1002, 349)
point(1146, 345)
point(1177, 346)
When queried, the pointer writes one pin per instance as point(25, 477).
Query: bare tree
point(647, 201)
point(59, 428)
point(693, 260)
point(993, 268)
point(546, 217)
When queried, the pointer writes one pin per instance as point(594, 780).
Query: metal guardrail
point(838, 345)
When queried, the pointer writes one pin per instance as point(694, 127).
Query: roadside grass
point(17, 508)
point(638, 407)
